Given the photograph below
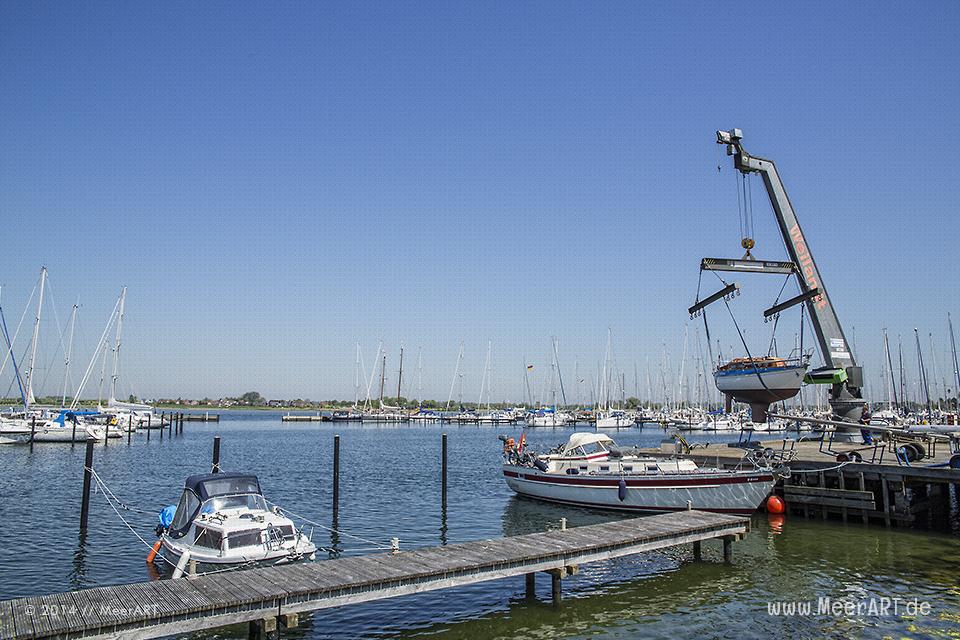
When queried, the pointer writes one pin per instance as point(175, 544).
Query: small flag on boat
point(523, 441)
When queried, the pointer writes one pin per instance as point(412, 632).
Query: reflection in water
point(443, 526)
point(525, 515)
point(334, 551)
point(78, 571)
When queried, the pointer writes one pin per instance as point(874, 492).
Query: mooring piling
point(129, 428)
point(216, 454)
point(150, 424)
point(87, 477)
point(443, 470)
point(33, 430)
point(336, 477)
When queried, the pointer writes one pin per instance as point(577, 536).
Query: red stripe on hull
point(593, 505)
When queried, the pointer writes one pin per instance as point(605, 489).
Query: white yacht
point(590, 470)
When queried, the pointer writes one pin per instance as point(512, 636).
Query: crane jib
point(805, 262)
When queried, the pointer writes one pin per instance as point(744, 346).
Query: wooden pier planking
point(166, 607)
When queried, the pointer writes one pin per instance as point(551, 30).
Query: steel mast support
point(846, 396)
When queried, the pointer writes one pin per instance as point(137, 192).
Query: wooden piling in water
point(555, 579)
point(129, 428)
point(216, 455)
point(530, 586)
point(727, 549)
point(697, 552)
point(443, 470)
point(33, 430)
point(150, 425)
point(336, 477)
point(87, 478)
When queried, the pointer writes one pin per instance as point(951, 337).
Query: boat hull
point(172, 551)
point(761, 385)
point(722, 492)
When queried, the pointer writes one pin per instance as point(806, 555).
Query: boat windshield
point(252, 501)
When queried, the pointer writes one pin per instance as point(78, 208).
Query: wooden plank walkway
point(168, 607)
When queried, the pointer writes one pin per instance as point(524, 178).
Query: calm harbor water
point(390, 487)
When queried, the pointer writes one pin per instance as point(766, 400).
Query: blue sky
point(275, 182)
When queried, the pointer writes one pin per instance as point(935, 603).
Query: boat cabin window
point(228, 486)
point(222, 503)
point(208, 538)
point(248, 538)
point(186, 510)
point(588, 449)
point(605, 467)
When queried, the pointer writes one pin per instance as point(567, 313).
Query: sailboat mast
point(383, 377)
point(923, 376)
point(36, 336)
point(936, 373)
point(453, 382)
point(420, 377)
point(400, 375)
point(903, 397)
point(356, 383)
point(956, 365)
point(892, 389)
point(526, 382)
point(66, 361)
point(556, 360)
point(116, 349)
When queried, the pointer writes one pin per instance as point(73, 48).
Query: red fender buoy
point(154, 551)
point(775, 505)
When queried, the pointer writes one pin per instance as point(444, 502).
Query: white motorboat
point(425, 416)
point(591, 471)
point(496, 417)
point(613, 419)
point(547, 418)
point(223, 519)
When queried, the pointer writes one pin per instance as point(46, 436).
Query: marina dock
point(304, 418)
point(272, 598)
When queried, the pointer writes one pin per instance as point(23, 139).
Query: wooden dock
point(269, 598)
point(201, 417)
point(293, 417)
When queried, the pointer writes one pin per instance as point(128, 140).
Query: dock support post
point(150, 425)
point(87, 477)
point(264, 629)
point(697, 551)
point(129, 429)
point(170, 427)
point(180, 425)
point(555, 578)
point(33, 430)
point(161, 428)
point(216, 454)
point(289, 620)
point(443, 470)
point(336, 477)
point(727, 549)
point(530, 590)
point(886, 500)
